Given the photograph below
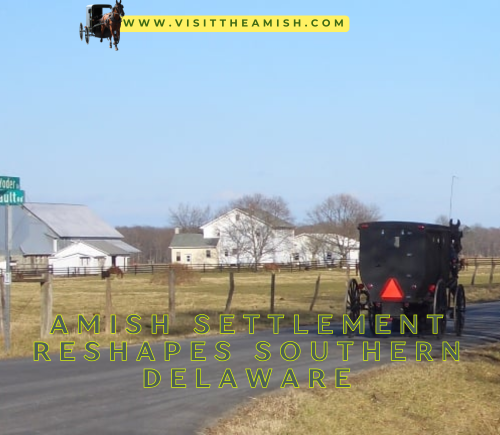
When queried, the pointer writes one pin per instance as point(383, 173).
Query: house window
point(328, 256)
point(234, 251)
point(208, 253)
point(188, 258)
point(296, 256)
point(84, 261)
point(226, 253)
point(178, 256)
point(237, 217)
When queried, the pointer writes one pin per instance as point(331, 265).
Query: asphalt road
point(105, 397)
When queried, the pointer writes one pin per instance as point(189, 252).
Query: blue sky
point(388, 112)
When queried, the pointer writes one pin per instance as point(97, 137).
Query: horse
point(112, 270)
point(113, 22)
point(271, 267)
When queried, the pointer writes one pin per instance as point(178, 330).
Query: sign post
point(10, 194)
point(7, 278)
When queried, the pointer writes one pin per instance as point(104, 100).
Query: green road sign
point(12, 197)
point(9, 183)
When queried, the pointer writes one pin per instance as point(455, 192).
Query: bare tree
point(479, 241)
point(442, 220)
point(339, 216)
point(276, 207)
point(260, 227)
point(189, 218)
point(153, 243)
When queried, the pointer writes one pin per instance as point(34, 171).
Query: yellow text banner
point(257, 23)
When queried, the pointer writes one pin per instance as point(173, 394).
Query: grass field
point(145, 295)
point(444, 398)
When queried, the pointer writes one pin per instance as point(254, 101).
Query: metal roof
point(112, 247)
point(72, 221)
point(190, 240)
point(29, 235)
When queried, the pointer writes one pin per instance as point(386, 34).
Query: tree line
point(338, 214)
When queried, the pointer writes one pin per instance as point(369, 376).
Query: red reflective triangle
point(392, 291)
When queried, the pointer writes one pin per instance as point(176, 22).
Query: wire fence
point(137, 269)
point(480, 270)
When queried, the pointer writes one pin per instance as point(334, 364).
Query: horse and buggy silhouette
point(102, 24)
point(409, 268)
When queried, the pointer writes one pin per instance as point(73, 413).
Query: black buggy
point(93, 28)
point(408, 268)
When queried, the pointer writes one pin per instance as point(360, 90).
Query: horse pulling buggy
point(408, 268)
point(103, 21)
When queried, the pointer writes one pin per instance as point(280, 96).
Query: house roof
point(72, 221)
point(191, 240)
point(263, 216)
point(268, 218)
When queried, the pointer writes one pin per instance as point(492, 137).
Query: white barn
point(67, 237)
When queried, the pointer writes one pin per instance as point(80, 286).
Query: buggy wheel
point(81, 32)
point(352, 302)
point(440, 306)
point(459, 310)
point(87, 35)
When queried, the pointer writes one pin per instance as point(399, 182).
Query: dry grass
point(183, 275)
point(413, 398)
point(145, 296)
point(197, 293)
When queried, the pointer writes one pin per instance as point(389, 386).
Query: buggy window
point(390, 238)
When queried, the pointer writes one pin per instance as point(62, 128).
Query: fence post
point(171, 296)
point(316, 291)
point(472, 281)
point(273, 281)
point(348, 270)
point(46, 306)
point(357, 268)
point(491, 272)
point(109, 306)
point(231, 292)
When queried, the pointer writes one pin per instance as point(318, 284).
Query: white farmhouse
point(251, 236)
point(193, 248)
point(325, 249)
point(240, 236)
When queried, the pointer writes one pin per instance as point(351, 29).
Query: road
point(104, 397)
